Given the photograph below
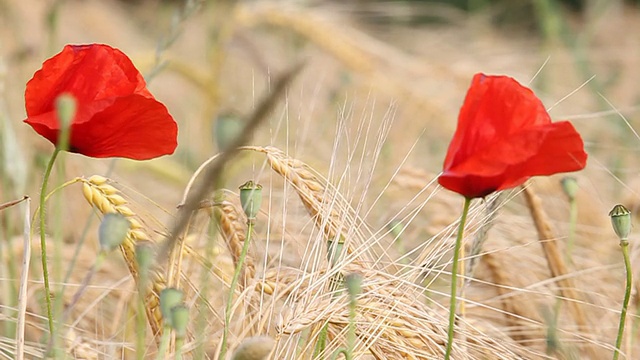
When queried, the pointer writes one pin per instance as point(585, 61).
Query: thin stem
point(351, 330)
point(179, 345)
point(627, 294)
point(232, 289)
point(43, 239)
point(321, 343)
point(164, 343)
point(141, 327)
point(573, 218)
point(454, 277)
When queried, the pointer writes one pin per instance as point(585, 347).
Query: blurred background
point(373, 109)
point(406, 63)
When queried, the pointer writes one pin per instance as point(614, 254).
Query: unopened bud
point(112, 231)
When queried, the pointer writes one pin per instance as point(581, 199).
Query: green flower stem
point(334, 250)
point(179, 345)
point(321, 343)
point(232, 289)
point(351, 332)
point(627, 294)
point(141, 320)
point(573, 218)
point(164, 343)
point(454, 277)
point(141, 327)
point(43, 239)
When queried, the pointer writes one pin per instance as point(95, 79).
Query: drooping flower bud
point(254, 348)
point(112, 231)
point(66, 107)
point(169, 298)
point(180, 320)
point(227, 127)
point(354, 285)
point(569, 186)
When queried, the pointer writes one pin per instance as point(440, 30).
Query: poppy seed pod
point(621, 221)
point(251, 199)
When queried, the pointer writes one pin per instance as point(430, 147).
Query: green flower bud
point(570, 187)
point(66, 107)
point(169, 298)
point(112, 231)
point(145, 254)
point(251, 199)
point(621, 221)
point(227, 127)
point(180, 320)
point(354, 284)
point(334, 250)
point(396, 228)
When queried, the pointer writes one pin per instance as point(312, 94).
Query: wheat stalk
point(556, 263)
point(106, 198)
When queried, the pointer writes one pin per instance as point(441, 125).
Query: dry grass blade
point(106, 199)
point(24, 276)
point(325, 205)
point(393, 321)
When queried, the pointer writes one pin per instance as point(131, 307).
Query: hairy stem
point(43, 239)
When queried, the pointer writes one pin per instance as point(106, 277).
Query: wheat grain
point(232, 226)
point(392, 322)
point(106, 199)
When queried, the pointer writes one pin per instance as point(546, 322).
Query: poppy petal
point(133, 127)
point(504, 137)
point(116, 115)
point(88, 72)
point(495, 108)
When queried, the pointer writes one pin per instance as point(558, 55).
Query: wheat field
point(352, 106)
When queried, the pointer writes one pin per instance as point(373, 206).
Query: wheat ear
point(312, 192)
point(106, 198)
point(232, 226)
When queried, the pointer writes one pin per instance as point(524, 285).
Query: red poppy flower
point(116, 115)
point(504, 137)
